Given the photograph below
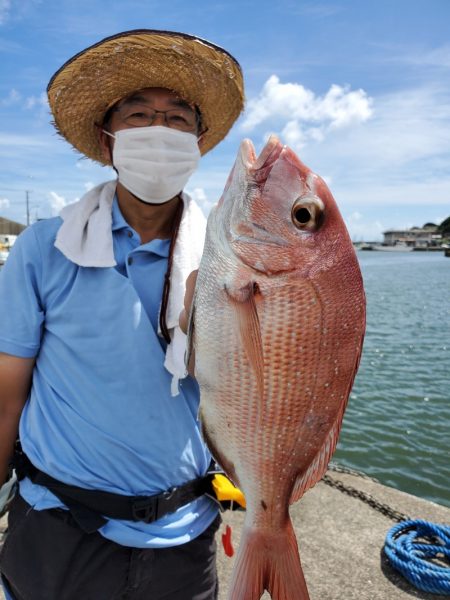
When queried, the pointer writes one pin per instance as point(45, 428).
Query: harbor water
point(397, 424)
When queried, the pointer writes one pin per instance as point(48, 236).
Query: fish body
point(277, 324)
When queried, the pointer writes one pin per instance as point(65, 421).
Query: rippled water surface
point(397, 425)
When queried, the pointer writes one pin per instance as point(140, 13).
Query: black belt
point(89, 507)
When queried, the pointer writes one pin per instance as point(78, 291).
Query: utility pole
point(27, 195)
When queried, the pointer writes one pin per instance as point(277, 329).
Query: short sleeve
point(21, 310)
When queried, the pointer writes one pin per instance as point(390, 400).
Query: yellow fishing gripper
point(225, 490)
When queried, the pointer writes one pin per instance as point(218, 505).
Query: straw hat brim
point(87, 85)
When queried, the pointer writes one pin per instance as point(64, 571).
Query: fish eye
point(302, 215)
point(307, 213)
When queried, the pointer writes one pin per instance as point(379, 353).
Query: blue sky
point(360, 90)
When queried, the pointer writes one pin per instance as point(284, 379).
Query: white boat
point(396, 248)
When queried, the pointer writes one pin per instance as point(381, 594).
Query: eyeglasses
point(142, 115)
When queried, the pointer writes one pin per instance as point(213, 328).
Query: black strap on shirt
point(90, 507)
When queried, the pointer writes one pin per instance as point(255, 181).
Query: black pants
point(46, 556)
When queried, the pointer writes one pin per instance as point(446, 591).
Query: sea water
point(397, 424)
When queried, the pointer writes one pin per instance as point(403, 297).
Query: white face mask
point(154, 163)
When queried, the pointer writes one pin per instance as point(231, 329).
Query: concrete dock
point(341, 539)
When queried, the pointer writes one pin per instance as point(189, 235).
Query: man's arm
point(15, 382)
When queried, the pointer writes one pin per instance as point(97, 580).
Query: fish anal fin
point(244, 301)
point(319, 465)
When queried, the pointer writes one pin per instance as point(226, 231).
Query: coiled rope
point(419, 550)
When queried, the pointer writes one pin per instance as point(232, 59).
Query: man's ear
point(106, 144)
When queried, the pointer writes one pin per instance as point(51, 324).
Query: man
point(112, 497)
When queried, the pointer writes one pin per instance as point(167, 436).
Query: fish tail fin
point(268, 561)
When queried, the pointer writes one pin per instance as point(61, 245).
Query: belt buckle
point(169, 501)
point(167, 495)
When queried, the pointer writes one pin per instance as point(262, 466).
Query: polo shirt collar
point(157, 246)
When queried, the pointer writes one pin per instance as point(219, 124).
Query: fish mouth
point(258, 169)
point(259, 165)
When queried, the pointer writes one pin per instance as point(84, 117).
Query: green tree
point(444, 227)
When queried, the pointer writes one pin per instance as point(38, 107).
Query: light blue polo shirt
point(100, 413)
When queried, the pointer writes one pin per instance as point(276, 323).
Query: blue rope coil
point(412, 546)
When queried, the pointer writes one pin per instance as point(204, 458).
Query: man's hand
point(15, 382)
point(184, 315)
point(190, 287)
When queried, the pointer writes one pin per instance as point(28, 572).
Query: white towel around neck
point(85, 238)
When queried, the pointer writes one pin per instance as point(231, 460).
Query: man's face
point(137, 110)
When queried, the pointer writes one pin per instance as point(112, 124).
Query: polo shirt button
point(130, 234)
point(130, 260)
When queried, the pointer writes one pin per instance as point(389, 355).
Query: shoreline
point(378, 247)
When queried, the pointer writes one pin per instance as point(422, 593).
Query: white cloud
point(30, 102)
point(400, 156)
point(4, 203)
point(361, 228)
point(199, 195)
point(418, 57)
point(11, 140)
point(22, 9)
point(33, 101)
point(306, 117)
point(12, 98)
point(410, 125)
point(315, 10)
point(57, 202)
point(438, 57)
point(88, 185)
point(5, 6)
point(15, 100)
point(428, 193)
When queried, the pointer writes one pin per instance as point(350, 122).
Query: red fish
point(277, 324)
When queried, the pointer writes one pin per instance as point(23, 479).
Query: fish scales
point(277, 325)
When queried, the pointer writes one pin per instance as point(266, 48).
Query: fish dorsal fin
point(244, 302)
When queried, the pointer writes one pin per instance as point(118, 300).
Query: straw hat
point(87, 85)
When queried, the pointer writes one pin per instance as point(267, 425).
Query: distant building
point(9, 230)
point(6, 241)
point(416, 237)
point(8, 227)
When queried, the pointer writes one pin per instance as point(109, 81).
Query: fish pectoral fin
point(244, 302)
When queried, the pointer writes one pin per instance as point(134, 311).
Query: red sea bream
point(277, 325)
